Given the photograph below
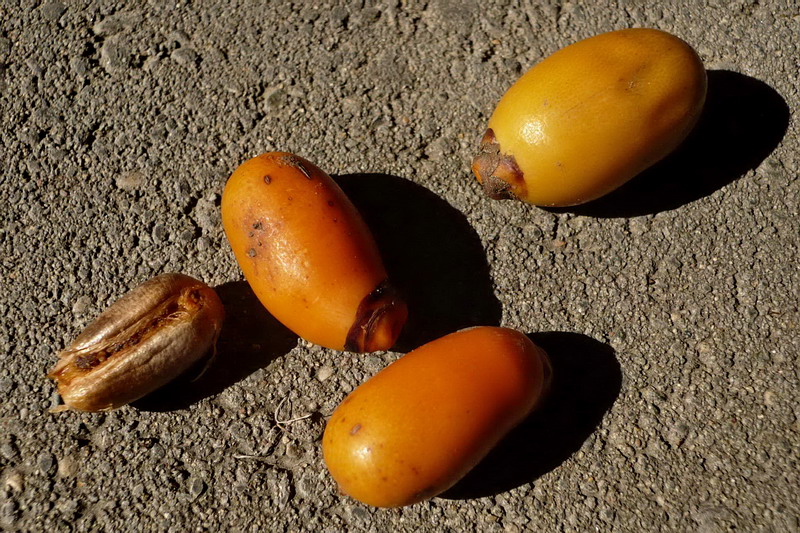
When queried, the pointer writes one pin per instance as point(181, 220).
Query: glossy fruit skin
point(418, 426)
point(590, 117)
point(308, 255)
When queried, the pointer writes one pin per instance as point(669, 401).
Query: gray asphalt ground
point(670, 309)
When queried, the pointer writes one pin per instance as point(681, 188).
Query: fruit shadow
point(743, 121)
point(586, 382)
point(432, 255)
point(250, 339)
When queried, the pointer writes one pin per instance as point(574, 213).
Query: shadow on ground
point(743, 121)
point(432, 254)
point(586, 382)
point(250, 339)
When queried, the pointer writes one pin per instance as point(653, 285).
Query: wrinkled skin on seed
point(308, 255)
point(418, 426)
point(144, 340)
point(590, 117)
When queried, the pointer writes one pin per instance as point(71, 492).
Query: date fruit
point(420, 424)
point(309, 256)
point(590, 117)
point(144, 340)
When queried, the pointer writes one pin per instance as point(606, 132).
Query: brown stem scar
point(383, 299)
point(499, 173)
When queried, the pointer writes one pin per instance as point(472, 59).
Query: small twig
point(295, 419)
point(280, 423)
point(262, 458)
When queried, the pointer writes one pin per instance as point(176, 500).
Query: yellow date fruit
point(418, 426)
point(144, 340)
point(308, 255)
point(590, 117)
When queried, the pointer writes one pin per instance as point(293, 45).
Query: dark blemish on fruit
point(257, 225)
point(251, 233)
point(301, 168)
point(415, 470)
point(293, 160)
point(251, 252)
point(335, 220)
point(355, 429)
point(290, 198)
point(330, 203)
point(267, 179)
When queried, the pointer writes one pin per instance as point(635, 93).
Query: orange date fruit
point(590, 117)
point(308, 255)
point(418, 426)
point(147, 338)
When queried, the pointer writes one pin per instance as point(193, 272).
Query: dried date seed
point(144, 340)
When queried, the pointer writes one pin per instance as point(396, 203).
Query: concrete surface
point(670, 308)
